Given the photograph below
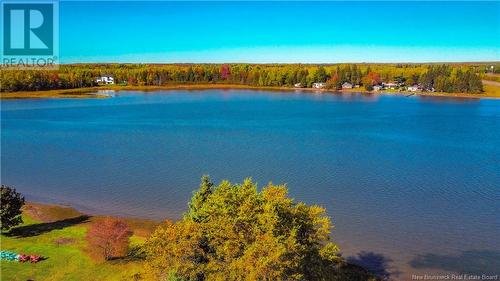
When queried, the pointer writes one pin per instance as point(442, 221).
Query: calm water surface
point(412, 184)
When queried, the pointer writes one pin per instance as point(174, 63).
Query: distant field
point(492, 77)
point(492, 89)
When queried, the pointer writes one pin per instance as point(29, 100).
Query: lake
point(411, 183)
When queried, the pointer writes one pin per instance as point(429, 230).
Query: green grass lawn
point(67, 258)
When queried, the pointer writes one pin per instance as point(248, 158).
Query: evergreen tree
point(199, 198)
point(10, 207)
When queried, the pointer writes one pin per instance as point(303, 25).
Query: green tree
point(199, 198)
point(320, 75)
point(10, 207)
point(237, 232)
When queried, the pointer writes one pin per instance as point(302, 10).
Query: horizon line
point(287, 63)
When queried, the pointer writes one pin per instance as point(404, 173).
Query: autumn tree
point(334, 82)
point(370, 80)
point(10, 207)
point(236, 232)
point(224, 72)
point(109, 238)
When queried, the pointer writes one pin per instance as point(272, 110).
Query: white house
point(320, 85)
point(297, 85)
point(390, 85)
point(377, 87)
point(347, 85)
point(413, 88)
point(105, 79)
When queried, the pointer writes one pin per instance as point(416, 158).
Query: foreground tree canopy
point(457, 77)
point(236, 232)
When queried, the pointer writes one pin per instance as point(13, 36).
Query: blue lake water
point(412, 184)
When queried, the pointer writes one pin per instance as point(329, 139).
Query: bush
point(109, 238)
point(10, 205)
point(235, 232)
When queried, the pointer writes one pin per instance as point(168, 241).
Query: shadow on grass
point(375, 263)
point(40, 228)
point(472, 262)
point(136, 253)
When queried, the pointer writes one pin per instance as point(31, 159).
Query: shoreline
point(47, 212)
point(58, 233)
point(492, 92)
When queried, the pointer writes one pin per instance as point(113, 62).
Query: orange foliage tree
point(371, 79)
point(109, 238)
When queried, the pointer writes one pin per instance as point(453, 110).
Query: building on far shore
point(298, 85)
point(105, 79)
point(390, 85)
point(319, 85)
point(413, 88)
point(347, 85)
point(377, 87)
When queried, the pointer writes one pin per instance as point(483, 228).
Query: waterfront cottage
point(347, 85)
point(105, 79)
point(390, 85)
point(412, 88)
point(377, 87)
point(298, 85)
point(318, 85)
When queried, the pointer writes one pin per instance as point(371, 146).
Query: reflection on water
point(400, 176)
point(450, 99)
point(375, 263)
point(472, 262)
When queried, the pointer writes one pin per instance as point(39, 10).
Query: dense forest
point(465, 78)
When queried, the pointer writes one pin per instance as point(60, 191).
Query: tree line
point(444, 78)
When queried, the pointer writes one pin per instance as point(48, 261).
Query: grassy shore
point(64, 93)
point(58, 233)
point(490, 91)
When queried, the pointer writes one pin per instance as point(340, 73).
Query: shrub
point(235, 232)
point(10, 207)
point(109, 238)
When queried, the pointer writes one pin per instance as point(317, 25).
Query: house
point(377, 87)
point(346, 85)
point(298, 85)
point(390, 85)
point(413, 88)
point(105, 79)
point(320, 85)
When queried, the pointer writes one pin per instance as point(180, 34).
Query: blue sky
point(307, 32)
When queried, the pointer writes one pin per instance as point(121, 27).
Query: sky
point(279, 32)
